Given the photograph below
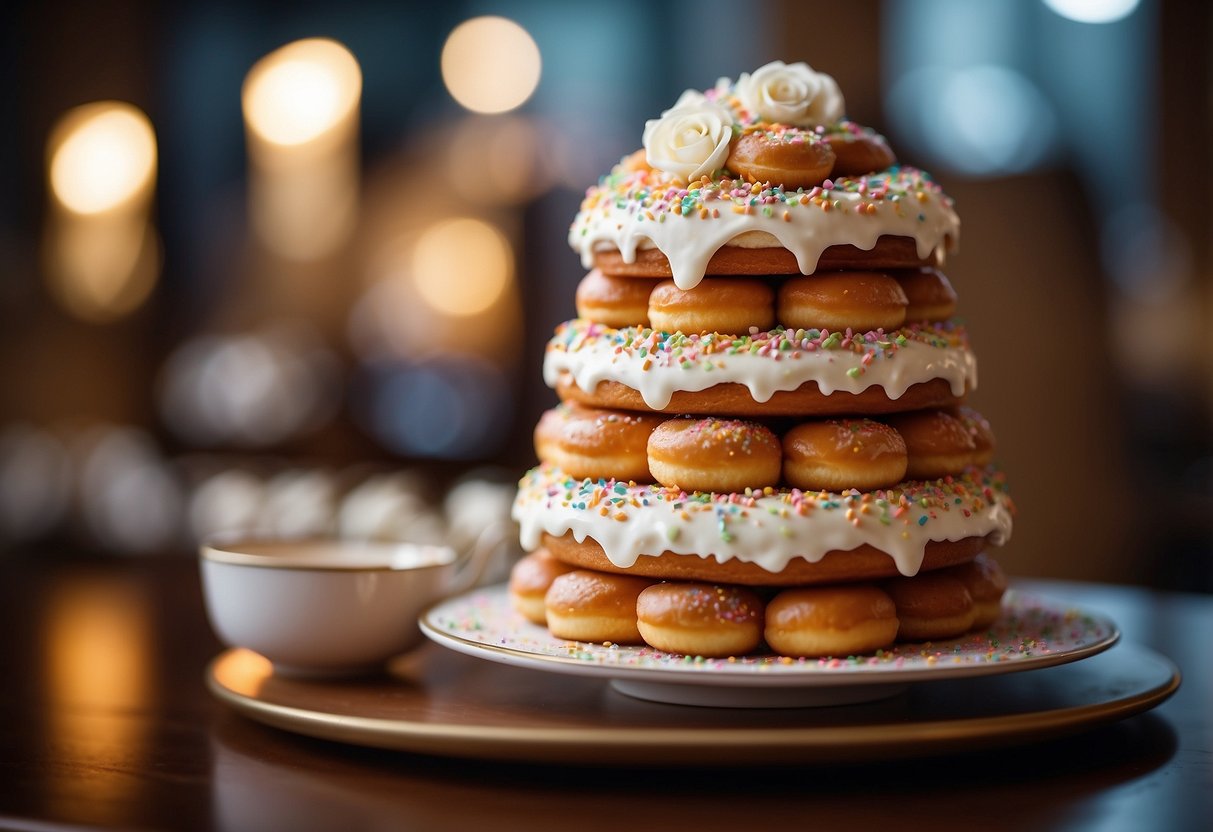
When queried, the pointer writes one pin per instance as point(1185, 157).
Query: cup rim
point(233, 549)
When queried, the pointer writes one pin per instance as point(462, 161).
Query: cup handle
point(476, 562)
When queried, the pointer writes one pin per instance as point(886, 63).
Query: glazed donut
point(859, 564)
point(529, 582)
point(930, 295)
point(613, 301)
point(857, 150)
point(782, 156)
point(986, 583)
point(598, 444)
point(931, 605)
point(836, 301)
point(840, 620)
point(700, 619)
point(979, 429)
point(889, 253)
point(594, 606)
point(718, 304)
point(716, 455)
point(837, 454)
point(937, 442)
point(736, 400)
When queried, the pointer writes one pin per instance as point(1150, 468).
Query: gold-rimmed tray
point(435, 701)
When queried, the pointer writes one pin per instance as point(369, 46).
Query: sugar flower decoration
point(791, 94)
point(690, 140)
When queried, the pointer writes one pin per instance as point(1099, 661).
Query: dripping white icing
point(769, 531)
point(626, 216)
point(592, 354)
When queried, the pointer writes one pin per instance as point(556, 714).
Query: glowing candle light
point(301, 117)
point(102, 255)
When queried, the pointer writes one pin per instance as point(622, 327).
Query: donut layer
point(870, 372)
point(681, 230)
point(835, 301)
point(724, 455)
point(717, 620)
point(775, 536)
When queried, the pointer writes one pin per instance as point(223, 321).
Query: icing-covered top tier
point(683, 200)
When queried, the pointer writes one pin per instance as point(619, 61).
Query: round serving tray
point(436, 701)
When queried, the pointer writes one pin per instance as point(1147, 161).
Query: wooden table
point(104, 722)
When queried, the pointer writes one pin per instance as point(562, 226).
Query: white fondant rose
point(694, 98)
point(689, 98)
point(791, 94)
point(690, 140)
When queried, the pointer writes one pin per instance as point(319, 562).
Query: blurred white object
point(35, 482)
point(131, 501)
point(390, 507)
point(477, 504)
point(230, 501)
point(299, 503)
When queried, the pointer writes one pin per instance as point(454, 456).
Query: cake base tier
point(732, 399)
point(889, 253)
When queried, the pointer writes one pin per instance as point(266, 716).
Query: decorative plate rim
point(803, 674)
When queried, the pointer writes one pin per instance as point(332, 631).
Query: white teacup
point(322, 607)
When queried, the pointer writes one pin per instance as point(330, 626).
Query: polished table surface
point(105, 723)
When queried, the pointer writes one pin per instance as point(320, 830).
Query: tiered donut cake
point(762, 438)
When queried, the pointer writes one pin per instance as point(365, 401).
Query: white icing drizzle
point(770, 531)
point(591, 354)
point(610, 219)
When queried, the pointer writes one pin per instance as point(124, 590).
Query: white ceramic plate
point(1032, 633)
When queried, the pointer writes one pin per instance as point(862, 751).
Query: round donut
point(890, 252)
point(979, 429)
point(718, 304)
point(986, 583)
point(699, 619)
point(937, 442)
point(836, 301)
point(931, 606)
point(599, 444)
point(613, 301)
point(930, 295)
point(594, 606)
point(529, 582)
point(858, 151)
point(859, 564)
point(837, 454)
point(785, 156)
point(719, 455)
point(840, 620)
point(735, 399)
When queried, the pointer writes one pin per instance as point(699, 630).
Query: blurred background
point(292, 266)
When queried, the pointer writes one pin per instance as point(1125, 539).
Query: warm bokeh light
point(462, 266)
point(101, 155)
point(301, 117)
point(490, 64)
point(1093, 11)
point(97, 666)
point(299, 92)
point(102, 271)
point(101, 254)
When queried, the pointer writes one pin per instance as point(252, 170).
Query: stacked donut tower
point(762, 438)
